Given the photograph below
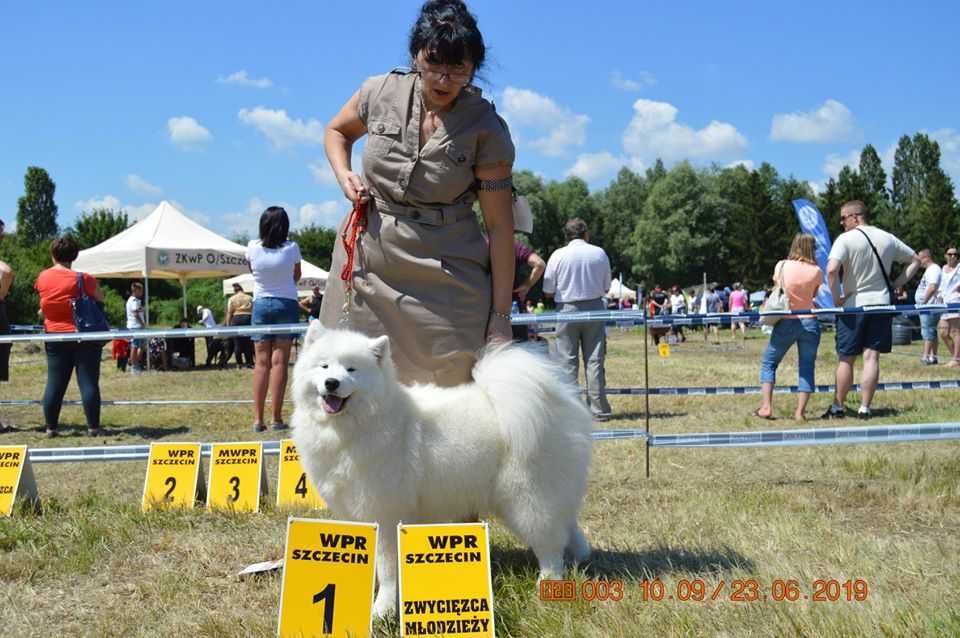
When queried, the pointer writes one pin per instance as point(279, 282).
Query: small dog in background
point(514, 443)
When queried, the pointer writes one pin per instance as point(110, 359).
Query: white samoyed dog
point(515, 443)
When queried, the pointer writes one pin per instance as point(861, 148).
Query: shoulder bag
point(88, 316)
point(777, 301)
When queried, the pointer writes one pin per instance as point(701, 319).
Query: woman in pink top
point(800, 277)
point(738, 304)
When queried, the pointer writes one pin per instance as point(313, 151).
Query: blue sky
point(219, 107)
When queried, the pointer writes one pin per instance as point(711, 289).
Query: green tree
point(99, 225)
point(829, 203)
point(36, 209)
point(618, 207)
point(923, 194)
point(316, 244)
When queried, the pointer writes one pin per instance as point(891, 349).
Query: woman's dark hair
point(447, 33)
point(274, 227)
point(64, 249)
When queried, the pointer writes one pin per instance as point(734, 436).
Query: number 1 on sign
point(328, 595)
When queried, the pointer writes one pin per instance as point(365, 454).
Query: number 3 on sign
point(236, 477)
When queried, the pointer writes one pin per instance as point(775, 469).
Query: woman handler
point(423, 273)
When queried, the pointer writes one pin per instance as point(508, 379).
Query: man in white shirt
point(865, 254)
point(927, 292)
point(577, 277)
point(135, 321)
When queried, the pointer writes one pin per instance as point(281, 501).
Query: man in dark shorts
point(865, 254)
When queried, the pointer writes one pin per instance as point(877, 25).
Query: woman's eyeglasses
point(437, 73)
point(951, 254)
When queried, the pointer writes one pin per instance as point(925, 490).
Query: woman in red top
point(58, 287)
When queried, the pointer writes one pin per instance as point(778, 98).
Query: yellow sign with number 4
point(293, 487)
point(236, 477)
point(328, 573)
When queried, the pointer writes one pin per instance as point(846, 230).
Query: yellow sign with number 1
point(293, 486)
point(173, 473)
point(16, 478)
point(328, 572)
point(236, 477)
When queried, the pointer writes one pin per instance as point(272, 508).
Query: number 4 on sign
point(293, 486)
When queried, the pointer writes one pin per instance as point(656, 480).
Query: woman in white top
point(949, 326)
point(275, 264)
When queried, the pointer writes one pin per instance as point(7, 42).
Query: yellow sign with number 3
point(236, 477)
point(328, 574)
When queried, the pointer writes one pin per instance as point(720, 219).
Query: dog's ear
point(380, 348)
point(314, 332)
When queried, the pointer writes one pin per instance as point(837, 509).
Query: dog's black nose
point(331, 384)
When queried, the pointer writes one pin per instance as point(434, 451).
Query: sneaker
point(926, 361)
point(864, 413)
point(933, 360)
point(52, 432)
point(833, 412)
point(280, 426)
point(259, 427)
point(96, 432)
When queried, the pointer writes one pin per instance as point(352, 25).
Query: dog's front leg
point(386, 602)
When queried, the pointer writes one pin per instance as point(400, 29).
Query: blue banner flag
point(811, 222)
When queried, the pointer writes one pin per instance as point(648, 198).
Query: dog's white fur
point(515, 443)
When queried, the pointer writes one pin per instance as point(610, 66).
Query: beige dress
point(422, 269)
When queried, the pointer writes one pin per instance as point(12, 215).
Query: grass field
point(93, 565)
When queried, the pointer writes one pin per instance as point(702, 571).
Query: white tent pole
point(183, 284)
point(146, 306)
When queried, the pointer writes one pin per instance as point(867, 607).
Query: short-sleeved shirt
point(863, 280)
point(738, 301)
point(272, 269)
point(931, 277)
point(134, 312)
point(395, 167)
point(577, 272)
point(57, 287)
point(206, 318)
point(240, 304)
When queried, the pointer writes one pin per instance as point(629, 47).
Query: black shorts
point(858, 332)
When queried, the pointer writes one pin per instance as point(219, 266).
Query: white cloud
point(644, 79)
point(141, 186)
point(187, 133)
point(832, 122)
point(594, 166)
point(747, 164)
point(555, 128)
point(240, 78)
point(322, 172)
point(136, 212)
point(654, 132)
point(835, 163)
point(949, 141)
point(326, 214)
point(282, 130)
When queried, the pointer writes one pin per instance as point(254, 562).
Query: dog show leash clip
point(356, 224)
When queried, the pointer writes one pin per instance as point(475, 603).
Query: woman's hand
point(498, 329)
point(353, 187)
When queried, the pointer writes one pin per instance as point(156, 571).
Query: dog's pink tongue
point(332, 404)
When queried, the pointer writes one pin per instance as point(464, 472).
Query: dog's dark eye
point(324, 366)
point(351, 370)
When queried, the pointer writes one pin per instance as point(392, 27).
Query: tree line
point(660, 226)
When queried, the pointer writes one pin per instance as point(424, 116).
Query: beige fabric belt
point(429, 216)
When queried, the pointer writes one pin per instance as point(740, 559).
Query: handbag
point(88, 316)
point(777, 300)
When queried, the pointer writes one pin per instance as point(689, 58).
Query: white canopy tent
point(310, 276)
point(166, 244)
point(619, 291)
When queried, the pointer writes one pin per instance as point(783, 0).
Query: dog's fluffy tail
point(529, 394)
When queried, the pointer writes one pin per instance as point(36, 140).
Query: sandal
point(768, 417)
point(280, 426)
point(259, 427)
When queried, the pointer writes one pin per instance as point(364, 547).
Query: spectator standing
point(58, 287)
point(135, 321)
point(434, 147)
point(800, 277)
point(949, 286)
point(312, 304)
point(738, 305)
point(207, 320)
point(928, 291)
point(239, 313)
point(525, 258)
point(577, 277)
point(678, 306)
point(275, 264)
point(865, 254)
point(714, 304)
point(659, 300)
point(6, 282)
point(120, 351)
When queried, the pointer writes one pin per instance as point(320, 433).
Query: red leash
point(356, 224)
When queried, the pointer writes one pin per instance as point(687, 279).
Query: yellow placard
point(664, 349)
point(328, 575)
point(16, 477)
point(173, 473)
point(236, 477)
point(445, 584)
point(293, 486)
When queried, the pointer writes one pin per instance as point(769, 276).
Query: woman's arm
point(297, 273)
point(497, 208)
point(344, 129)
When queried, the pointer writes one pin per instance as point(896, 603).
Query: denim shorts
point(269, 311)
point(928, 326)
point(137, 343)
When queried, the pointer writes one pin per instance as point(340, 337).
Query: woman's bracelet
point(502, 315)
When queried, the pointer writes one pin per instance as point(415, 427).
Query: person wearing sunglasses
point(949, 326)
point(864, 254)
point(424, 273)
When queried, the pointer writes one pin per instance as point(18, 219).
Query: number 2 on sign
point(235, 483)
point(327, 596)
point(168, 495)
